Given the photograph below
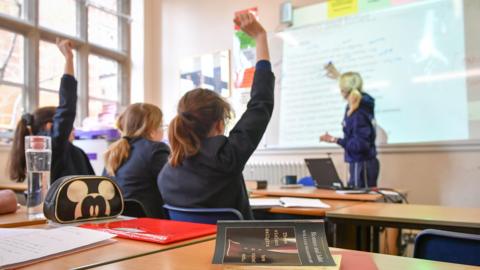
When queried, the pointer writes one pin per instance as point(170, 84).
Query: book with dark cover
point(282, 243)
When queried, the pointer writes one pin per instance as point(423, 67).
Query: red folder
point(154, 230)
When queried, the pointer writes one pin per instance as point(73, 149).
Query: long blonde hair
point(139, 120)
point(352, 84)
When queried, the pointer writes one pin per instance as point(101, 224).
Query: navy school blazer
point(213, 177)
point(137, 176)
point(67, 159)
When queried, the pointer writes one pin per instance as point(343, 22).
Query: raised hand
point(332, 71)
point(249, 24)
point(66, 47)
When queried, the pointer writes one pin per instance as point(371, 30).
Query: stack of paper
point(21, 247)
point(302, 202)
point(287, 202)
point(264, 202)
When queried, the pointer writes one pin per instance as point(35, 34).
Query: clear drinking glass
point(38, 154)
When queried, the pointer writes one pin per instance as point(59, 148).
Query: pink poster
point(402, 2)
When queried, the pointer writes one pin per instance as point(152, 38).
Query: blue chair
point(202, 215)
point(306, 181)
point(448, 246)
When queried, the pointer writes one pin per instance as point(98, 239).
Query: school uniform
point(213, 177)
point(67, 159)
point(137, 176)
point(359, 144)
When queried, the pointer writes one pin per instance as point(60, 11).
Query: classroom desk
point(313, 192)
point(314, 212)
point(16, 187)
point(19, 219)
point(410, 216)
point(119, 250)
point(200, 256)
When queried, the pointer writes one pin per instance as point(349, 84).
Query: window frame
point(33, 33)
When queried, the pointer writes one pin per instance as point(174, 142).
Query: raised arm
point(332, 71)
point(247, 133)
point(65, 47)
point(66, 111)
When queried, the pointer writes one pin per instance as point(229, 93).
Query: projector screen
point(420, 60)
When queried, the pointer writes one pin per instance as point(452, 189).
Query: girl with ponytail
point(56, 122)
point(358, 129)
point(135, 160)
point(205, 168)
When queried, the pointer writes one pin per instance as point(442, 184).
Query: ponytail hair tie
point(127, 138)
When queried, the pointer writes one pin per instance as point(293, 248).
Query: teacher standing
point(358, 130)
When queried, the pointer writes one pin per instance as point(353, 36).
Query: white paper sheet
point(303, 202)
point(287, 202)
point(264, 202)
point(7, 232)
point(33, 246)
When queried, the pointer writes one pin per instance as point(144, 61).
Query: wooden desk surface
point(19, 219)
point(200, 256)
point(313, 192)
point(17, 187)
point(317, 212)
point(121, 249)
point(411, 213)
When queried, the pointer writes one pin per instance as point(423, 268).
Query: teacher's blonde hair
point(352, 84)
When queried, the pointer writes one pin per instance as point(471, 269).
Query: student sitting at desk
point(205, 170)
point(56, 122)
point(135, 160)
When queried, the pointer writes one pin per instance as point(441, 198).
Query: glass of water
point(38, 154)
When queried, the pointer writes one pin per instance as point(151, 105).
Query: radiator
point(274, 171)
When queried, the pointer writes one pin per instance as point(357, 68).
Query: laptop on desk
point(325, 175)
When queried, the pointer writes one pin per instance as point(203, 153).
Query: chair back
point(202, 215)
point(133, 208)
point(448, 246)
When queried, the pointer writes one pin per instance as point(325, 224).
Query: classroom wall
point(432, 175)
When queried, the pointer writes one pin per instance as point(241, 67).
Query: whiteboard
point(419, 60)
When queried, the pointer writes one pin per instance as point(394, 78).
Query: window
point(58, 15)
point(98, 29)
point(103, 89)
point(50, 72)
point(103, 24)
point(11, 77)
point(12, 7)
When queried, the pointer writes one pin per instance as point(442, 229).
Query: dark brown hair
point(30, 124)
point(138, 120)
point(198, 110)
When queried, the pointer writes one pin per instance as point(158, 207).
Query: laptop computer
point(325, 175)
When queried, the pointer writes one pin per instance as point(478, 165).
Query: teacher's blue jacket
point(359, 132)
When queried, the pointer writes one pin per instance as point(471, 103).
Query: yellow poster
point(339, 8)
